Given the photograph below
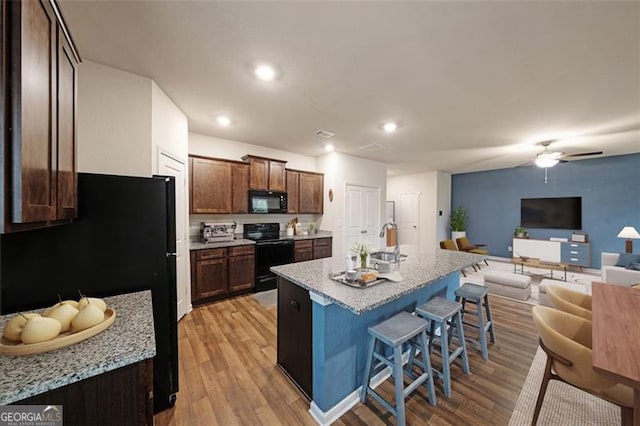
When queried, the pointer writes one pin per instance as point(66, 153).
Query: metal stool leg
point(489, 318)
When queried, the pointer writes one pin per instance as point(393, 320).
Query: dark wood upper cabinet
point(67, 108)
point(266, 173)
point(311, 188)
point(258, 173)
point(239, 188)
point(210, 186)
point(292, 191)
point(38, 105)
point(277, 173)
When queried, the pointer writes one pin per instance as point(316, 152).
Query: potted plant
point(458, 223)
point(520, 232)
point(362, 249)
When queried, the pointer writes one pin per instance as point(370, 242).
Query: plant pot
point(458, 234)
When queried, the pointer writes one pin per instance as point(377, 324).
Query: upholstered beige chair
point(448, 245)
point(570, 301)
point(451, 245)
point(464, 245)
point(567, 341)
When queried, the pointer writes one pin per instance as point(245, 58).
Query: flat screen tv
point(551, 213)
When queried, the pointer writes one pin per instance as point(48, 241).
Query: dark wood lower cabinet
point(303, 250)
point(219, 272)
point(120, 397)
point(242, 272)
point(294, 335)
point(322, 248)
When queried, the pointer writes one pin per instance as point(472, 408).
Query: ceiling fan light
point(545, 161)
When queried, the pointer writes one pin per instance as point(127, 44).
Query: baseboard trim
point(325, 418)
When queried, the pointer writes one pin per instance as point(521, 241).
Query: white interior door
point(409, 218)
point(170, 166)
point(362, 208)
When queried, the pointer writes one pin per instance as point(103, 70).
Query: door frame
point(185, 163)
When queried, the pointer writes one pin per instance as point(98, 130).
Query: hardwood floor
point(228, 374)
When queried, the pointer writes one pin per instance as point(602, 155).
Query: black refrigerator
point(123, 241)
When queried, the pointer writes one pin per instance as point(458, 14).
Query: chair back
point(570, 301)
point(464, 244)
point(569, 336)
point(448, 245)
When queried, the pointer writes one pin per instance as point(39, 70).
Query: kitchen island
point(322, 324)
point(106, 379)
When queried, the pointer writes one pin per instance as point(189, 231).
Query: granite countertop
point(239, 241)
point(313, 275)
point(128, 340)
point(199, 245)
point(319, 234)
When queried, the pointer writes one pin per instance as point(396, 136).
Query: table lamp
point(630, 233)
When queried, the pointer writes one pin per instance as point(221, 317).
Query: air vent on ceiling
point(324, 134)
point(373, 147)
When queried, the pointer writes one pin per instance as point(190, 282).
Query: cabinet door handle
point(573, 259)
point(574, 245)
point(295, 304)
point(574, 252)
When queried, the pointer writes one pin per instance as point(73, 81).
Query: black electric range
point(271, 250)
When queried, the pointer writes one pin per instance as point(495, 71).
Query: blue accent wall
point(608, 187)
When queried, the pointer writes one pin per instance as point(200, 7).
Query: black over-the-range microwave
point(267, 202)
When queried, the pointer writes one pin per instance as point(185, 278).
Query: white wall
point(114, 121)
point(435, 196)
point(339, 171)
point(443, 204)
point(231, 150)
point(169, 128)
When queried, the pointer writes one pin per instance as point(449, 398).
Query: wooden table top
point(616, 332)
point(534, 262)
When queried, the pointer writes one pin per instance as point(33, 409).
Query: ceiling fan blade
point(530, 163)
point(584, 154)
point(563, 161)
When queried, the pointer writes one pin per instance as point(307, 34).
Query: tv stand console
point(569, 252)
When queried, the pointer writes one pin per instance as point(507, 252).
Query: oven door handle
point(275, 243)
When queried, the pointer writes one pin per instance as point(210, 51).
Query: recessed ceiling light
point(223, 120)
point(329, 147)
point(390, 127)
point(265, 72)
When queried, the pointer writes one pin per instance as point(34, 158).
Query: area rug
point(267, 298)
point(537, 275)
point(563, 404)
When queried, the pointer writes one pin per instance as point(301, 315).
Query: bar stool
point(442, 313)
point(394, 332)
point(477, 295)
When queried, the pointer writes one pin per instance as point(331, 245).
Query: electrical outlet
point(509, 249)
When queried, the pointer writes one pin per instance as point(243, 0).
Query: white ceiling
point(473, 84)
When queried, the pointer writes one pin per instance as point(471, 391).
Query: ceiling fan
point(547, 158)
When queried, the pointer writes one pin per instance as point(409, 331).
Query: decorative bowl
point(524, 258)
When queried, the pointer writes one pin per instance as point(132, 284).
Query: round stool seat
point(471, 291)
point(399, 328)
point(438, 309)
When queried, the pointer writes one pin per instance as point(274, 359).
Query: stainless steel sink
point(386, 256)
